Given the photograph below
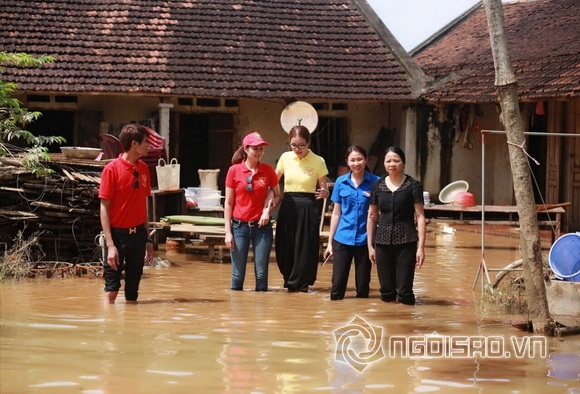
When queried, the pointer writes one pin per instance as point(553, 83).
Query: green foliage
point(13, 116)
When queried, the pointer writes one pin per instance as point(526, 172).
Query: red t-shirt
point(128, 206)
point(249, 205)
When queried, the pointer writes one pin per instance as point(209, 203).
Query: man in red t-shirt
point(125, 186)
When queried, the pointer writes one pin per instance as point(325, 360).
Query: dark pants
point(341, 261)
point(396, 271)
point(298, 240)
point(131, 249)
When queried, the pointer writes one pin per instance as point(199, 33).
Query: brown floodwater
point(189, 333)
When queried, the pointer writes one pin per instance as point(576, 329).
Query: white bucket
point(208, 178)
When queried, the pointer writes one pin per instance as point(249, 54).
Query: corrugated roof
point(243, 48)
point(544, 48)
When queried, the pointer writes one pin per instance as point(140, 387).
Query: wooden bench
point(210, 235)
point(494, 214)
point(211, 240)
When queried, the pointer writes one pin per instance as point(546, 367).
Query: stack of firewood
point(62, 210)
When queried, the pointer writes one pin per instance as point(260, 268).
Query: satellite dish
point(299, 113)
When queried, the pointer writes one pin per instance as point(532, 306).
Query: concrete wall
point(120, 109)
point(364, 119)
point(466, 159)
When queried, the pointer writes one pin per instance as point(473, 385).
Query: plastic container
point(564, 257)
point(465, 199)
point(209, 200)
point(426, 199)
point(199, 192)
point(448, 192)
point(208, 178)
point(174, 245)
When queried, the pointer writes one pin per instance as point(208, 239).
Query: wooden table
point(211, 235)
point(494, 214)
point(163, 203)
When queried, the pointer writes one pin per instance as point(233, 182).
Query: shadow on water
point(190, 333)
point(179, 301)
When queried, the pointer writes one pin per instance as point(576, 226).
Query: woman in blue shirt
point(348, 234)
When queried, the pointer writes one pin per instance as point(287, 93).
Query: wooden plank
point(195, 229)
point(68, 174)
point(12, 189)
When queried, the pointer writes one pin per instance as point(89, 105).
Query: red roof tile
point(544, 47)
point(243, 48)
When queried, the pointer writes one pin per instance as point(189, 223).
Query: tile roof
point(544, 47)
point(242, 48)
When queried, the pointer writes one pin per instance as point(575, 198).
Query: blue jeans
point(261, 238)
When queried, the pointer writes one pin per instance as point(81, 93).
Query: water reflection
point(190, 333)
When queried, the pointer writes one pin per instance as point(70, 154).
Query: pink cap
point(254, 139)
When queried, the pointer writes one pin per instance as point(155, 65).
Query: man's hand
point(149, 253)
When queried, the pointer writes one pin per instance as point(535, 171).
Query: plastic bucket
point(564, 257)
point(465, 199)
point(174, 245)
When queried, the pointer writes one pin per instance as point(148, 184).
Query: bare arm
point(322, 192)
point(422, 231)
point(112, 253)
point(334, 219)
point(273, 198)
point(279, 174)
point(148, 245)
point(371, 229)
point(228, 208)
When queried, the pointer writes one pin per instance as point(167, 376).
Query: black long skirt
point(297, 240)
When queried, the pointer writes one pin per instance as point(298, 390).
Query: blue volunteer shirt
point(354, 203)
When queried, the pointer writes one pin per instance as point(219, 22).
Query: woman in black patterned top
point(397, 242)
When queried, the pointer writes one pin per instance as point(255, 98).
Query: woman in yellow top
point(297, 226)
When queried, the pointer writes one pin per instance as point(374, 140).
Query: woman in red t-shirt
point(247, 210)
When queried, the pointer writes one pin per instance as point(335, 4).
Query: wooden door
point(221, 144)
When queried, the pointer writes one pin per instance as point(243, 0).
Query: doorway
point(206, 141)
point(55, 123)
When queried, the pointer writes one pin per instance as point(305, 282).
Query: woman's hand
point(328, 251)
point(420, 258)
point(321, 193)
point(265, 218)
point(373, 256)
point(229, 241)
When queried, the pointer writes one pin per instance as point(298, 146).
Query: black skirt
point(297, 240)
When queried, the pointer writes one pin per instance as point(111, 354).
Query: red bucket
point(465, 199)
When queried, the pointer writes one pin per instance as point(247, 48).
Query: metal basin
point(77, 152)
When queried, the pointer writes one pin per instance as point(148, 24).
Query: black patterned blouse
point(397, 211)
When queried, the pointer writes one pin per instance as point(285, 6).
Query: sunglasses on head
point(249, 186)
point(136, 181)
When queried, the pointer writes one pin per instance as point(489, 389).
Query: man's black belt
point(129, 230)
